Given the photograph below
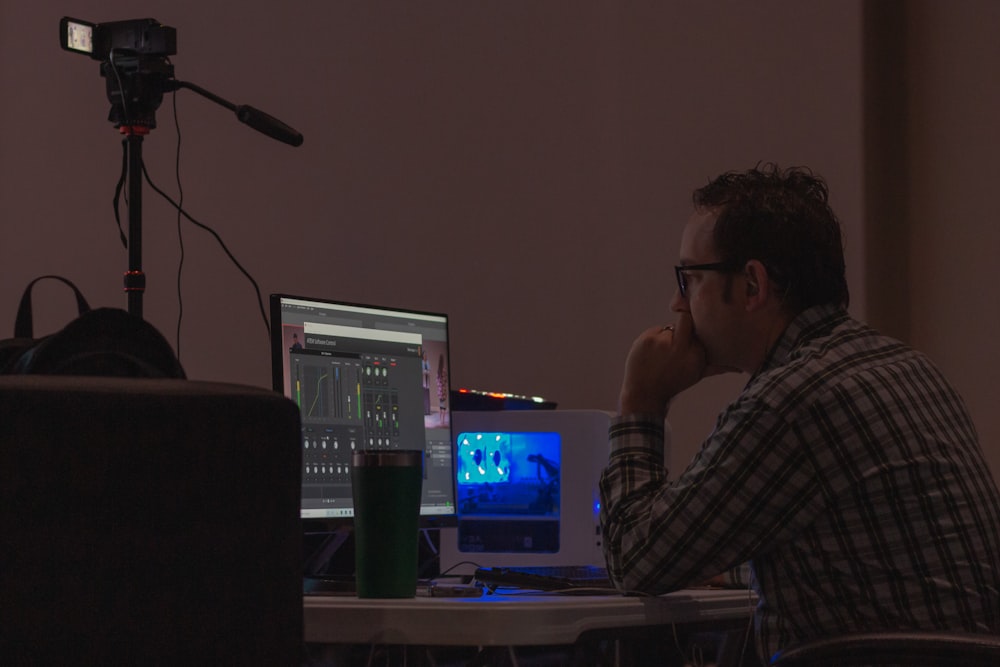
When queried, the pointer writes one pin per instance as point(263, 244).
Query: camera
point(134, 62)
point(142, 37)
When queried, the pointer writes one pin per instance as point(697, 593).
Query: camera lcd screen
point(78, 36)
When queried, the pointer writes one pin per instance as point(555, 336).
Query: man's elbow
point(634, 582)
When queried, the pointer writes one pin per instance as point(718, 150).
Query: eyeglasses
point(679, 270)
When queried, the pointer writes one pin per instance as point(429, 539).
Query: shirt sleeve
point(749, 486)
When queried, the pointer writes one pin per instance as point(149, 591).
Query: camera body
point(142, 37)
point(134, 63)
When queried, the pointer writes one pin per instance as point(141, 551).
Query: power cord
point(750, 604)
point(222, 244)
point(118, 193)
point(123, 176)
point(180, 230)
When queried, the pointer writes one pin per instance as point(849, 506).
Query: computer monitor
point(365, 377)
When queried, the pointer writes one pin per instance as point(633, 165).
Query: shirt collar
point(807, 325)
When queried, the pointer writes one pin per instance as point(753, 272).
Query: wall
point(524, 167)
point(932, 103)
point(954, 137)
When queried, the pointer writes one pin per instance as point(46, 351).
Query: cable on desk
point(746, 636)
point(466, 578)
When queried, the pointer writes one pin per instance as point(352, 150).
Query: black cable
point(260, 300)
point(122, 179)
point(121, 88)
point(180, 231)
point(464, 562)
point(118, 192)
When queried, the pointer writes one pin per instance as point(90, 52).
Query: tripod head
point(135, 87)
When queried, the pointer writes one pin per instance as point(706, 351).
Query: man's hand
point(663, 362)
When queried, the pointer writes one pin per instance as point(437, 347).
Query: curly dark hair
point(781, 218)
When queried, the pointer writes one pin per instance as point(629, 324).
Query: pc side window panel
point(509, 475)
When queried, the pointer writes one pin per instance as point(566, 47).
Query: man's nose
point(678, 304)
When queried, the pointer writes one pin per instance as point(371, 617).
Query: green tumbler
point(387, 485)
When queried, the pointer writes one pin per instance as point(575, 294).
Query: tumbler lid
point(401, 458)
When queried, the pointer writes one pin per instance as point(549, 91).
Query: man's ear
point(757, 284)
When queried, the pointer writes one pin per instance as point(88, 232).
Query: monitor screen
point(365, 377)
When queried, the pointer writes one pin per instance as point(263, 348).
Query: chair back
point(903, 649)
point(148, 521)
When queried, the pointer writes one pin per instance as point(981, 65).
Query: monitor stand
point(329, 567)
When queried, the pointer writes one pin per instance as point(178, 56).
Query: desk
point(514, 619)
point(508, 619)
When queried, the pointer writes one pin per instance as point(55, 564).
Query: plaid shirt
point(848, 473)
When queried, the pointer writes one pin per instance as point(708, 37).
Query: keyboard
point(564, 578)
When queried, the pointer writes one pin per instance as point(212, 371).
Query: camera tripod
point(135, 88)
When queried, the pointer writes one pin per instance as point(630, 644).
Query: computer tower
point(527, 489)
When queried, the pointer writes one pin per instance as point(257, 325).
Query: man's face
point(712, 296)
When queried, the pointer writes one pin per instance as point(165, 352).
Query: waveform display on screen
point(315, 392)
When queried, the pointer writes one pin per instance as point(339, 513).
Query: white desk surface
point(508, 619)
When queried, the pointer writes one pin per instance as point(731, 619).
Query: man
point(847, 472)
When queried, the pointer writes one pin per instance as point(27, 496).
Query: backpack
point(104, 341)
